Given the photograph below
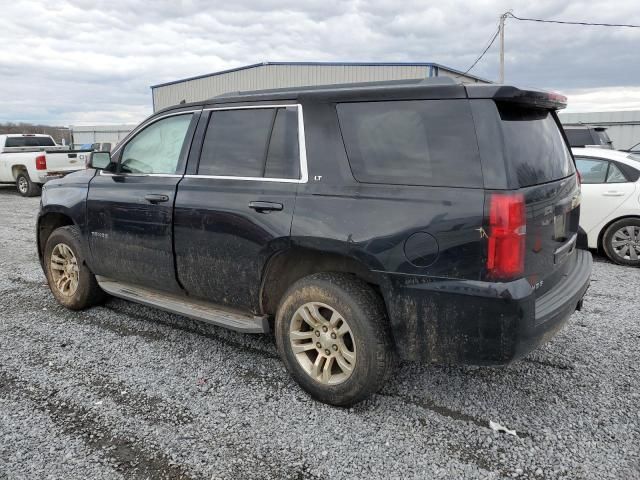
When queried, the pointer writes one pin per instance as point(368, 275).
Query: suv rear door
point(235, 206)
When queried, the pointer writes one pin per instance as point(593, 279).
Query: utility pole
point(502, 18)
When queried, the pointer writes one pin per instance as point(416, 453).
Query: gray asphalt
point(125, 391)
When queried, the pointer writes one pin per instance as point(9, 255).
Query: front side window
point(421, 142)
point(157, 148)
point(252, 143)
point(592, 170)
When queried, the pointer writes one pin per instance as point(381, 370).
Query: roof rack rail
point(340, 86)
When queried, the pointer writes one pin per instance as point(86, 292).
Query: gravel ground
point(125, 391)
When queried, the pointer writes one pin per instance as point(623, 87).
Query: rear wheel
point(621, 242)
point(332, 334)
point(26, 187)
point(70, 280)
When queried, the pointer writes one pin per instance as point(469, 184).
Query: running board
point(196, 309)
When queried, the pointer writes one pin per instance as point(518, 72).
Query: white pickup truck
point(29, 160)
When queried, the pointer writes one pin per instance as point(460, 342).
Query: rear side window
point(282, 157)
point(29, 142)
point(615, 175)
point(235, 143)
point(418, 142)
point(592, 170)
point(256, 142)
point(534, 146)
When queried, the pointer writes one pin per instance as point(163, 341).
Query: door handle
point(613, 194)
point(262, 207)
point(155, 198)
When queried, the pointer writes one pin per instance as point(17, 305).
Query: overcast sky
point(91, 61)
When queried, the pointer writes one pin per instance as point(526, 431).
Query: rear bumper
point(480, 323)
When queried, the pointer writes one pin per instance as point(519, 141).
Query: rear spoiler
point(531, 97)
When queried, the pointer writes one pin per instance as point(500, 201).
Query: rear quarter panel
point(372, 222)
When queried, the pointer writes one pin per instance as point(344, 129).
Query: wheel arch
point(17, 169)
point(47, 223)
point(288, 266)
point(604, 229)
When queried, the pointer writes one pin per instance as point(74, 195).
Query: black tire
point(363, 310)
point(609, 237)
point(87, 293)
point(26, 187)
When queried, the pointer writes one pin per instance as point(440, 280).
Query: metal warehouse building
point(294, 74)
point(100, 133)
point(623, 127)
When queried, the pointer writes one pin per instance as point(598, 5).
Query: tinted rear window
point(534, 145)
point(603, 137)
point(29, 142)
point(236, 142)
point(256, 142)
point(282, 157)
point(579, 137)
point(420, 142)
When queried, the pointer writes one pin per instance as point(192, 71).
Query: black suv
point(362, 223)
point(588, 136)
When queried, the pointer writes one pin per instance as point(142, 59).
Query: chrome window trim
point(302, 147)
point(165, 175)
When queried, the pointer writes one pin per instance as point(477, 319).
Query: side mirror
point(99, 160)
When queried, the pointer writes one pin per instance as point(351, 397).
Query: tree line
point(58, 133)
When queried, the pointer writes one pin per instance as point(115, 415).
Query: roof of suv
point(430, 88)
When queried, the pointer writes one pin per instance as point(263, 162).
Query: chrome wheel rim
point(323, 343)
point(626, 242)
point(64, 270)
point(23, 185)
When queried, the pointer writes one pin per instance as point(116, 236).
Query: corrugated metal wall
point(282, 76)
point(100, 133)
point(623, 127)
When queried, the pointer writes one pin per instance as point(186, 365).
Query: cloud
point(94, 60)
point(603, 99)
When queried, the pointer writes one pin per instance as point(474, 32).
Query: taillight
point(41, 162)
point(507, 233)
point(579, 178)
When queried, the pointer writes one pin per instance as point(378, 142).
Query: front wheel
point(26, 187)
point(333, 336)
point(621, 242)
point(70, 280)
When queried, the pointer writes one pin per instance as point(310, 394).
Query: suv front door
point(234, 208)
point(130, 209)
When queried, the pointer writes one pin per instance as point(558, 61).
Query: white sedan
point(610, 209)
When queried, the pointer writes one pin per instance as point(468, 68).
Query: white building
point(623, 127)
point(89, 134)
point(261, 76)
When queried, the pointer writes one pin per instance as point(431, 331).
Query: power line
point(493, 39)
point(509, 14)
